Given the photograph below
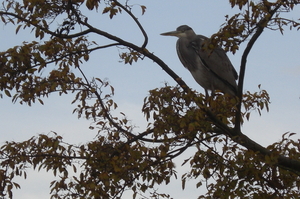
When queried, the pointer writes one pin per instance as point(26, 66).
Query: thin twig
point(136, 21)
point(46, 30)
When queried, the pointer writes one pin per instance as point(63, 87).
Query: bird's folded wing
point(216, 61)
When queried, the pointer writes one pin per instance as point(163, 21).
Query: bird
point(211, 69)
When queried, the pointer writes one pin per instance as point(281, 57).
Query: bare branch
point(136, 21)
point(46, 30)
point(260, 28)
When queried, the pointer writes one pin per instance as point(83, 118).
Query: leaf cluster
point(239, 27)
point(22, 68)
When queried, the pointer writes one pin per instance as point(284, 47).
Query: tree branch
point(45, 29)
point(260, 28)
point(136, 21)
point(144, 51)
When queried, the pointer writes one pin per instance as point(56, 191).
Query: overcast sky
point(274, 63)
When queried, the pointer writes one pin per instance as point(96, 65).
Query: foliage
point(231, 164)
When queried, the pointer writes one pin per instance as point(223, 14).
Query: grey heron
point(211, 69)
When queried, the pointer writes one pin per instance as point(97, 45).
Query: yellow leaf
point(106, 10)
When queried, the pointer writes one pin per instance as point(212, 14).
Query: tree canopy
point(231, 164)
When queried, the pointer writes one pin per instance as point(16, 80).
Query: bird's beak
point(172, 33)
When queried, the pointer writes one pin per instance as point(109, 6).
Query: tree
point(179, 118)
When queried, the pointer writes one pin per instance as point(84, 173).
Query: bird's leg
point(206, 95)
point(207, 98)
point(212, 94)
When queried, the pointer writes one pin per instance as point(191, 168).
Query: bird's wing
point(186, 54)
point(216, 61)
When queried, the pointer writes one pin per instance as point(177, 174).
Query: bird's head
point(181, 31)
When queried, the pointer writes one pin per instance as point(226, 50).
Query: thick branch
point(283, 162)
point(144, 51)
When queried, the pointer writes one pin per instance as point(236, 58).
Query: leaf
point(113, 12)
point(91, 4)
point(41, 34)
point(3, 19)
point(74, 169)
point(18, 28)
point(41, 101)
point(7, 93)
point(199, 184)
point(86, 57)
point(248, 116)
point(106, 10)
point(37, 32)
point(112, 90)
point(143, 9)
point(183, 183)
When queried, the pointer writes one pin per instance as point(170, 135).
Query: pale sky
point(274, 63)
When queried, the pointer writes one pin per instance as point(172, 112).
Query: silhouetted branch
point(136, 21)
point(46, 30)
point(260, 27)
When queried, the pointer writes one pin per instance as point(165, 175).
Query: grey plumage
point(211, 69)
